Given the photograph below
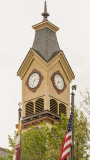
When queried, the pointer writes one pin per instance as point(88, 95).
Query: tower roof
point(45, 42)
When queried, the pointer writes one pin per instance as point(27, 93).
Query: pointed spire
point(45, 14)
point(45, 7)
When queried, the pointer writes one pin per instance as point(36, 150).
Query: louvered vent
point(39, 105)
point(29, 108)
point(62, 109)
point(53, 106)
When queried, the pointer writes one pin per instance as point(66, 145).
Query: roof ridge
point(46, 42)
point(3, 149)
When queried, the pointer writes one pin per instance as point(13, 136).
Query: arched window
point(62, 109)
point(29, 109)
point(53, 106)
point(39, 105)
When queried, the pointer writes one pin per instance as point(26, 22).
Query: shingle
point(45, 44)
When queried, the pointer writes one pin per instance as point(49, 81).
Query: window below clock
point(29, 109)
point(62, 109)
point(53, 106)
point(39, 105)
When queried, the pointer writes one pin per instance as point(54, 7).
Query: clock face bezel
point(40, 80)
point(29, 78)
point(52, 79)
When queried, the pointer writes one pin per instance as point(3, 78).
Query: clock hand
point(34, 80)
point(59, 81)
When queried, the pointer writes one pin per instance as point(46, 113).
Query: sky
point(16, 38)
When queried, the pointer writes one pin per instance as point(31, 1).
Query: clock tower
point(46, 76)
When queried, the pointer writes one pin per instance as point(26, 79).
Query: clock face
point(34, 80)
point(58, 81)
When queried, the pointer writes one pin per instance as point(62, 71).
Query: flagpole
point(72, 105)
point(20, 111)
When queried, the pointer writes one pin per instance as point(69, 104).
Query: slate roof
point(45, 44)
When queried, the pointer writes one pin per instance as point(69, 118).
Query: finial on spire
point(45, 14)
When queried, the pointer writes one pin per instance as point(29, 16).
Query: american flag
point(16, 155)
point(65, 150)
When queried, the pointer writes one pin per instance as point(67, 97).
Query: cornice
point(66, 67)
point(45, 24)
point(38, 117)
point(39, 120)
point(25, 65)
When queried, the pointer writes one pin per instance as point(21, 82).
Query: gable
point(33, 55)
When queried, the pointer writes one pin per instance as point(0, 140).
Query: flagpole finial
point(74, 87)
point(45, 14)
point(19, 104)
point(19, 110)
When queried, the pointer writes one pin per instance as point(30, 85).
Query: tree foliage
point(85, 106)
point(3, 158)
point(85, 103)
point(44, 144)
point(11, 145)
point(81, 136)
point(52, 141)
